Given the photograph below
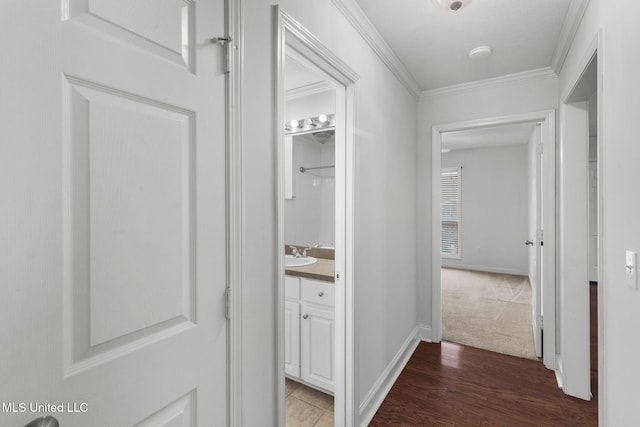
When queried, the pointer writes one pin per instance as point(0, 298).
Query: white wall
point(621, 157)
point(310, 105)
point(385, 203)
point(310, 216)
point(463, 105)
point(494, 205)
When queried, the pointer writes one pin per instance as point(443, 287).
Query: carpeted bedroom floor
point(488, 310)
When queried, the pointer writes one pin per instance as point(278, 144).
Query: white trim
point(577, 9)
point(506, 80)
point(550, 266)
point(498, 270)
point(436, 259)
point(558, 372)
point(354, 14)
point(310, 89)
point(278, 142)
point(291, 37)
point(603, 399)
point(387, 378)
point(235, 209)
point(425, 333)
point(596, 49)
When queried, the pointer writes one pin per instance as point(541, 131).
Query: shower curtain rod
point(303, 169)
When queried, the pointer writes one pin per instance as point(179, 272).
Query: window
point(450, 212)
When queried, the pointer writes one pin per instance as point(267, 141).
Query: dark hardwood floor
point(450, 384)
point(593, 289)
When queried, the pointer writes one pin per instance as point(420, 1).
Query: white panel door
point(292, 338)
point(317, 336)
point(535, 250)
point(113, 213)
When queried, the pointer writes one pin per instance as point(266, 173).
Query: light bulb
point(322, 118)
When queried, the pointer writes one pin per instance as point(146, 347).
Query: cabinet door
point(292, 338)
point(317, 346)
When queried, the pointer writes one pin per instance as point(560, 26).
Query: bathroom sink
point(291, 261)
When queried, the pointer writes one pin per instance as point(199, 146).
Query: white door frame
point(235, 216)
point(290, 35)
point(548, 118)
point(574, 360)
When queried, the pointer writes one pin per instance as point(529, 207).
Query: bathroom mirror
point(309, 214)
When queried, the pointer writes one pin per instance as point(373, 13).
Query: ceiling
point(496, 136)
point(433, 43)
point(299, 76)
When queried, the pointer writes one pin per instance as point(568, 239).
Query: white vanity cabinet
point(310, 342)
point(292, 326)
point(292, 338)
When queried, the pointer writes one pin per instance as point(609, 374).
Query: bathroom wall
point(309, 217)
point(494, 204)
point(310, 106)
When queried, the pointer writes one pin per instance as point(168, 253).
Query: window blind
point(450, 212)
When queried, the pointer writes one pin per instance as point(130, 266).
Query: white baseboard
point(381, 388)
point(500, 270)
point(558, 372)
point(425, 333)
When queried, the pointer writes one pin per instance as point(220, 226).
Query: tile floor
point(307, 407)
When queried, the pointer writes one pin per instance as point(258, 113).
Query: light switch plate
point(631, 269)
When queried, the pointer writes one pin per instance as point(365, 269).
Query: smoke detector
point(452, 5)
point(480, 52)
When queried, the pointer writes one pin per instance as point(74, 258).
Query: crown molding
point(508, 79)
point(577, 9)
point(310, 89)
point(354, 14)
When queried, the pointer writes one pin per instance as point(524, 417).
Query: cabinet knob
point(304, 316)
point(320, 293)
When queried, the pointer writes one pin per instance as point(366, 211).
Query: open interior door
point(535, 242)
point(112, 218)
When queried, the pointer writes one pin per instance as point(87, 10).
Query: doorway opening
point(315, 93)
point(489, 237)
point(541, 141)
point(580, 231)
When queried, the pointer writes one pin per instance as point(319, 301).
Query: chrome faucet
point(308, 246)
point(295, 252)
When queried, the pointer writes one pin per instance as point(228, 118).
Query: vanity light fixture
point(311, 124)
point(452, 5)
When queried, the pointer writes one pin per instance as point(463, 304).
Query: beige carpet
point(488, 310)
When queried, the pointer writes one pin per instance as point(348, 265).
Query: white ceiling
point(297, 75)
point(496, 136)
point(433, 43)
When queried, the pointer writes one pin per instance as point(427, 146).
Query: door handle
point(529, 242)
point(47, 421)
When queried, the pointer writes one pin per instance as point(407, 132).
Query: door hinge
point(225, 42)
point(227, 306)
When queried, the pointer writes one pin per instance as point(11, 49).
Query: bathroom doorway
point(314, 145)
